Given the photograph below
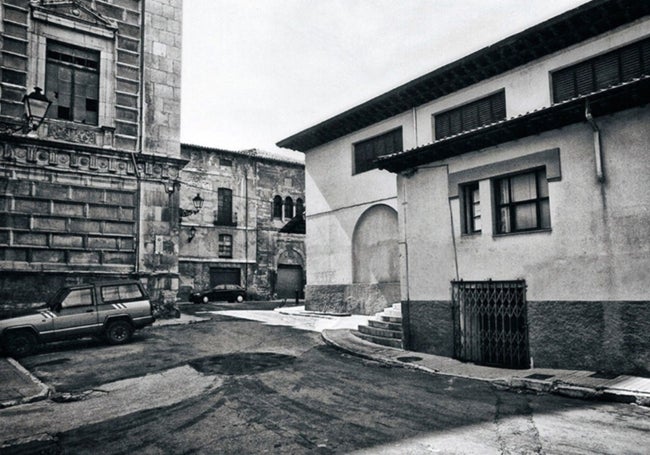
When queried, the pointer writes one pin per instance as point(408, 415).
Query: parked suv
point(111, 310)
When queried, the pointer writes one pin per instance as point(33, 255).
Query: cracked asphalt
point(234, 386)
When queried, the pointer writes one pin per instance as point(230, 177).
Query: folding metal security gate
point(490, 322)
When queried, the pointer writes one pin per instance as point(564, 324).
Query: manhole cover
point(409, 359)
point(241, 363)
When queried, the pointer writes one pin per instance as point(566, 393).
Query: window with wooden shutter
point(72, 74)
point(612, 68)
point(366, 152)
point(471, 115)
point(224, 207)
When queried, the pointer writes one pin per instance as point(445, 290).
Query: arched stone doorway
point(289, 275)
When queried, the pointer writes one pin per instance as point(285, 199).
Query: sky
point(258, 71)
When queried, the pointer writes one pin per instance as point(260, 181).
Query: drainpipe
point(246, 228)
point(415, 126)
point(598, 151)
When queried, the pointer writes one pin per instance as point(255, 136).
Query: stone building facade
point(83, 197)
point(521, 177)
point(251, 198)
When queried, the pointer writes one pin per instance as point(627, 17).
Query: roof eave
point(607, 101)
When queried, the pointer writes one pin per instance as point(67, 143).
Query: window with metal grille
point(471, 208)
point(225, 246)
point(471, 115)
point(615, 67)
point(277, 207)
point(72, 73)
point(366, 152)
point(522, 202)
point(224, 206)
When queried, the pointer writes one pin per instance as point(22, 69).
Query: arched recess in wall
point(375, 249)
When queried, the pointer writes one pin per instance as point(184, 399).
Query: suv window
point(121, 292)
point(78, 297)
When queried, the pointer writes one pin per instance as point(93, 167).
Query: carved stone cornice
point(90, 160)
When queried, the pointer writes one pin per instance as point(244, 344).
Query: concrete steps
point(384, 328)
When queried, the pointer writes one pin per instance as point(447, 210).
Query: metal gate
point(490, 322)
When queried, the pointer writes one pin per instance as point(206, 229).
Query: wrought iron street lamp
point(198, 204)
point(36, 107)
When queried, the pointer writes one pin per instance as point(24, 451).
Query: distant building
point(83, 197)
point(522, 192)
point(250, 230)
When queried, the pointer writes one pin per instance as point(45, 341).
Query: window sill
point(536, 231)
point(471, 234)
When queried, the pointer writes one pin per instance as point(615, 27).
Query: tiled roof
point(574, 26)
point(252, 153)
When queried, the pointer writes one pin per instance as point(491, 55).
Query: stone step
point(394, 319)
point(392, 313)
point(380, 332)
point(392, 342)
point(397, 306)
point(384, 325)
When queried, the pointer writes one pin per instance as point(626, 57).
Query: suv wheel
point(20, 343)
point(118, 332)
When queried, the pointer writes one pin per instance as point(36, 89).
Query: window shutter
point(563, 85)
point(606, 69)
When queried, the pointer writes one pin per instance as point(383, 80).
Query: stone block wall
point(360, 298)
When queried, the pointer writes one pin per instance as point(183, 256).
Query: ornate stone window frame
point(47, 26)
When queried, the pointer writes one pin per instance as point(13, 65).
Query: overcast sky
point(258, 71)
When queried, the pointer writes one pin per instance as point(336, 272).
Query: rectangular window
point(225, 246)
point(225, 162)
point(615, 67)
point(471, 115)
point(366, 152)
point(522, 203)
point(224, 207)
point(471, 208)
point(72, 73)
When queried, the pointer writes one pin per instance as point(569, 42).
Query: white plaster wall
point(599, 244)
point(337, 198)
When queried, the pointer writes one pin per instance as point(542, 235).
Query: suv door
point(76, 314)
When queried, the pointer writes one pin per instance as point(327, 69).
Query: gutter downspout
point(598, 150)
point(246, 228)
point(406, 306)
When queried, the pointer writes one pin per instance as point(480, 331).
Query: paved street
point(230, 385)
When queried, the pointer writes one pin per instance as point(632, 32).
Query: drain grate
point(241, 363)
point(539, 376)
point(409, 359)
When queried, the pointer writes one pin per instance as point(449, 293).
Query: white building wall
point(598, 247)
point(528, 87)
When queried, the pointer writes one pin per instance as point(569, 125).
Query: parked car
point(221, 292)
point(111, 310)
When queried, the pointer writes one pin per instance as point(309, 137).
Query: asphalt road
point(236, 386)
